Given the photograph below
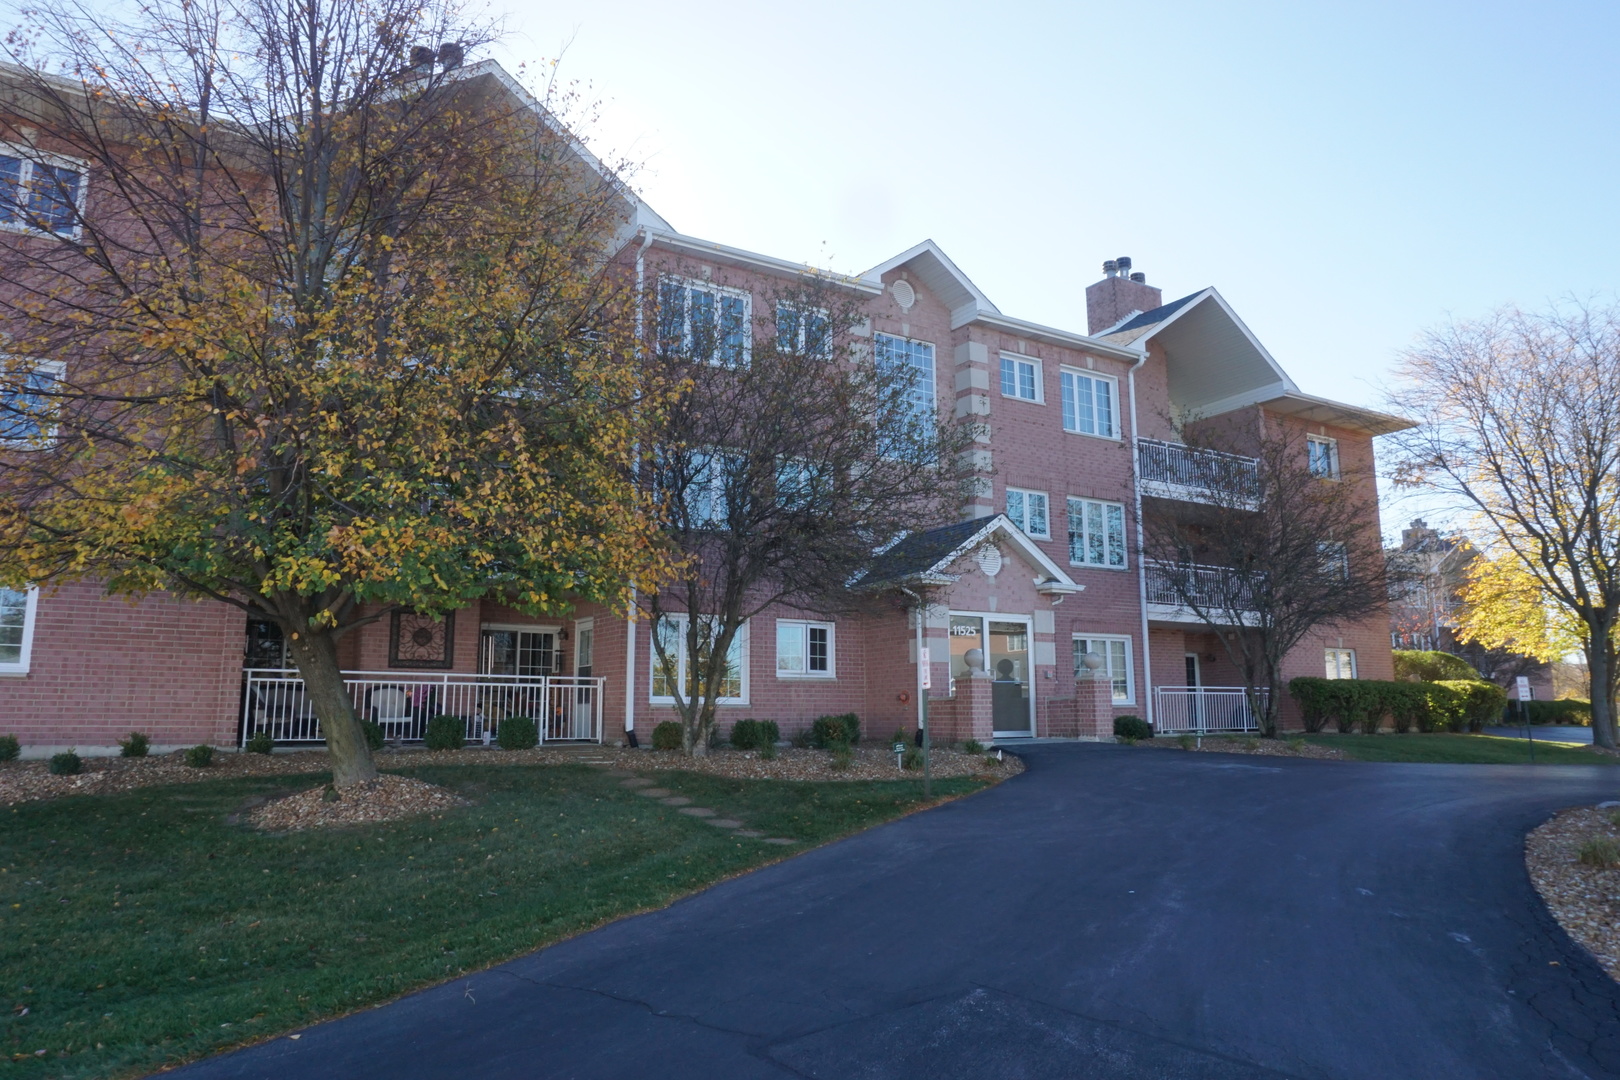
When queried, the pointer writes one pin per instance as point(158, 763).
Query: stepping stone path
point(641, 786)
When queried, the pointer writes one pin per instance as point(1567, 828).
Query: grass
point(143, 929)
point(1458, 749)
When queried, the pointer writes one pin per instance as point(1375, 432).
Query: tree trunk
point(316, 657)
point(1600, 667)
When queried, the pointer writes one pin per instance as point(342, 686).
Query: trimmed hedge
point(1427, 665)
point(754, 734)
point(1563, 711)
point(1132, 727)
point(667, 735)
point(829, 732)
point(1450, 705)
point(517, 733)
point(445, 732)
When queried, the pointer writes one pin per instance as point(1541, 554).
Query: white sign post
point(927, 674)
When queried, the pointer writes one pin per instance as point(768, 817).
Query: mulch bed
point(1584, 899)
point(1261, 747)
point(387, 798)
point(28, 781)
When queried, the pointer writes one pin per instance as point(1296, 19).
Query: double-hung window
point(27, 411)
point(706, 503)
point(1027, 509)
point(1096, 533)
point(678, 670)
point(806, 331)
point(40, 192)
point(1089, 403)
point(1340, 663)
point(892, 352)
point(704, 321)
point(1020, 377)
point(796, 487)
point(804, 650)
point(1116, 655)
point(17, 608)
point(1335, 559)
point(1322, 455)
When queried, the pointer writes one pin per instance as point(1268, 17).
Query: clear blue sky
point(1345, 174)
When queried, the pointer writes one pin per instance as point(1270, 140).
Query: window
point(795, 484)
point(1096, 533)
point(1020, 378)
point(704, 321)
point(919, 355)
point(1322, 455)
point(38, 194)
point(510, 650)
point(26, 409)
point(677, 671)
point(706, 502)
point(1088, 403)
point(16, 629)
point(804, 649)
point(803, 331)
point(1116, 654)
point(1028, 511)
point(1341, 663)
point(1335, 559)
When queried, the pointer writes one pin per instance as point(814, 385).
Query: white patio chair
point(391, 711)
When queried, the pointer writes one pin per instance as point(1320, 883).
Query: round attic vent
point(989, 560)
point(904, 294)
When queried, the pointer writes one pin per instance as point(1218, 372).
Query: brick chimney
point(1118, 294)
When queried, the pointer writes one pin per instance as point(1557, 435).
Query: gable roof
point(1144, 319)
point(942, 278)
point(924, 558)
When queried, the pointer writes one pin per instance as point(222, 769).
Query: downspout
point(1141, 562)
point(630, 623)
point(922, 695)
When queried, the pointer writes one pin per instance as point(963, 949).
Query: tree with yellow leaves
point(1503, 606)
point(336, 327)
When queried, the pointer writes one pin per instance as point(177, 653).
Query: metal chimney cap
point(1110, 267)
point(422, 56)
point(1124, 264)
point(1139, 277)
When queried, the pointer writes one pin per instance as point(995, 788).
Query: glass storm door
point(1008, 660)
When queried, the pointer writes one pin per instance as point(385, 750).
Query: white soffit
point(1214, 359)
point(939, 276)
point(1337, 414)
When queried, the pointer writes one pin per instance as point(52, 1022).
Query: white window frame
point(1019, 360)
point(801, 342)
point(1337, 658)
point(1332, 446)
point(692, 285)
point(47, 432)
point(1085, 542)
point(30, 619)
point(804, 626)
point(29, 156)
point(1022, 518)
point(1335, 558)
point(681, 660)
point(1093, 640)
point(1069, 388)
point(931, 393)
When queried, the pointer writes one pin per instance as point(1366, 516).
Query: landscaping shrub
point(445, 732)
point(973, 746)
point(200, 756)
point(842, 757)
point(1363, 703)
point(745, 735)
point(802, 739)
point(667, 735)
point(259, 742)
point(374, 734)
point(767, 751)
point(1600, 851)
point(517, 733)
point(9, 748)
point(1563, 711)
point(1426, 665)
point(911, 759)
point(1186, 742)
point(829, 731)
point(66, 763)
point(1406, 704)
point(1132, 727)
point(1312, 694)
point(770, 733)
point(135, 746)
point(1479, 703)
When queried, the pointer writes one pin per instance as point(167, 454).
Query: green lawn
point(1458, 749)
point(142, 929)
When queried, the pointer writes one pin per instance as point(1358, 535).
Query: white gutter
point(1141, 562)
point(630, 623)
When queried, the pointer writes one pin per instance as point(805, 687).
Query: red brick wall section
point(103, 667)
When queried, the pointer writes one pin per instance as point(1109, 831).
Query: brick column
point(1094, 708)
point(974, 718)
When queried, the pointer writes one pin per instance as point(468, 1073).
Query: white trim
point(47, 433)
point(985, 618)
point(31, 156)
point(691, 285)
point(668, 238)
point(30, 619)
point(1027, 492)
point(527, 628)
point(1332, 445)
point(968, 302)
point(744, 661)
point(1052, 336)
point(1040, 377)
point(1351, 653)
point(802, 345)
point(582, 626)
point(1067, 370)
point(1220, 301)
point(1069, 534)
point(1130, 661)
point(806, 625)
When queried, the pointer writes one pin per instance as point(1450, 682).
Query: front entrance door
point(1008, 660)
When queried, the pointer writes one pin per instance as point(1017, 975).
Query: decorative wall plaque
point(422, 641)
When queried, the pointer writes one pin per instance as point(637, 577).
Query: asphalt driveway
point(1114, 913)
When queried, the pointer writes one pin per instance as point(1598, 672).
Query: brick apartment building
point(1041, 575)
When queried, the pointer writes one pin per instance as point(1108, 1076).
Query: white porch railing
point(1202, 710)
point(565, 708)
point(1208, 471)
point(1210, 586)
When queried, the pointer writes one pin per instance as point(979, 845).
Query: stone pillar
point(974, 717)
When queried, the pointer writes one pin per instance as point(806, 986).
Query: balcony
point(1171, 585)
point(564, 708)
point(1173, 471)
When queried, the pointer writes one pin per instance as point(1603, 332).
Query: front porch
point(565, 708)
